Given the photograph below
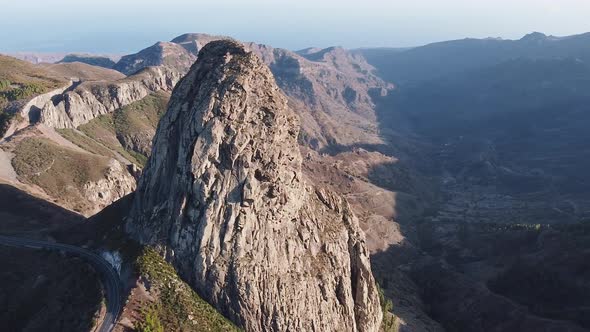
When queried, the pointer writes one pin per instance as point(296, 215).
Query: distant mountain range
point(452, 57)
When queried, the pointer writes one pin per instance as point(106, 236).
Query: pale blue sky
point(122, 26)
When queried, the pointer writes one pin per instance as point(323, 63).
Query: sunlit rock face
point(224, 198)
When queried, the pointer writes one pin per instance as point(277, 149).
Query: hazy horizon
point(116, 28)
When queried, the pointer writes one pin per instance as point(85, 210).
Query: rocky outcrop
point(92, 99)
point(116, 183)
point(31, 110)
point(167, 54)
point(224, 198)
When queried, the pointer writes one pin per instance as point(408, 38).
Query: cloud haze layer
point(128, 25)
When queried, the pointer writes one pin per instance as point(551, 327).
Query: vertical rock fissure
point(234, 139)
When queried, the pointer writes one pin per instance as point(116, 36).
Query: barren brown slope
point(83, 72)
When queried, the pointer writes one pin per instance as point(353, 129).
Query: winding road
point(110, 278)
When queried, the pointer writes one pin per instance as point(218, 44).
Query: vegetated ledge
point(158, 299)
point(178, 307)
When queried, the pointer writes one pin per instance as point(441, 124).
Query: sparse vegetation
point(61, 172)
point(389, 323)
point(145, 112)
point(85, 142)
point(4, 84)
point(102, 131)
point(127, 131)
point(5, 119)
point(151, 322)
point(23, 91)
point(20, 79)
point(178, 308)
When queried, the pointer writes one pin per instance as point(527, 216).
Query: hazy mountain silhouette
point(451, 57)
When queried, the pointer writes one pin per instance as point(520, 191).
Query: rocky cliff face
point(223, 196)
point(87, 101)
point(116, 183)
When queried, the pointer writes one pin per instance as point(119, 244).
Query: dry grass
point(59, 171)
point(83, 71)
point(141, 114)
point(21, 72)
point(85, 142)
point(102, 131)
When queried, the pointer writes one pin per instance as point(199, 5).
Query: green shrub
point(5, 119)
point(24, 91)
point(4, 84)
point(389, 320)
point(151, 322)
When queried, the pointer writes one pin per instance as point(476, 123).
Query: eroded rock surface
point(116, 183)
point(91, 99)
point(223, 196)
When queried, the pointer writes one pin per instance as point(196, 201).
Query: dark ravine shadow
point(413, 176)
point(531, 285)
point(41, 290)
point(24, 214)
point(421, 273)
point(47, 291)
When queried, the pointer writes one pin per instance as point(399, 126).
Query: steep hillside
point(503, 123)
point(72, 177)
point(38, 160)
point(337, 99)
point(129, 131)
point(333, 90)
point(77, 171)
